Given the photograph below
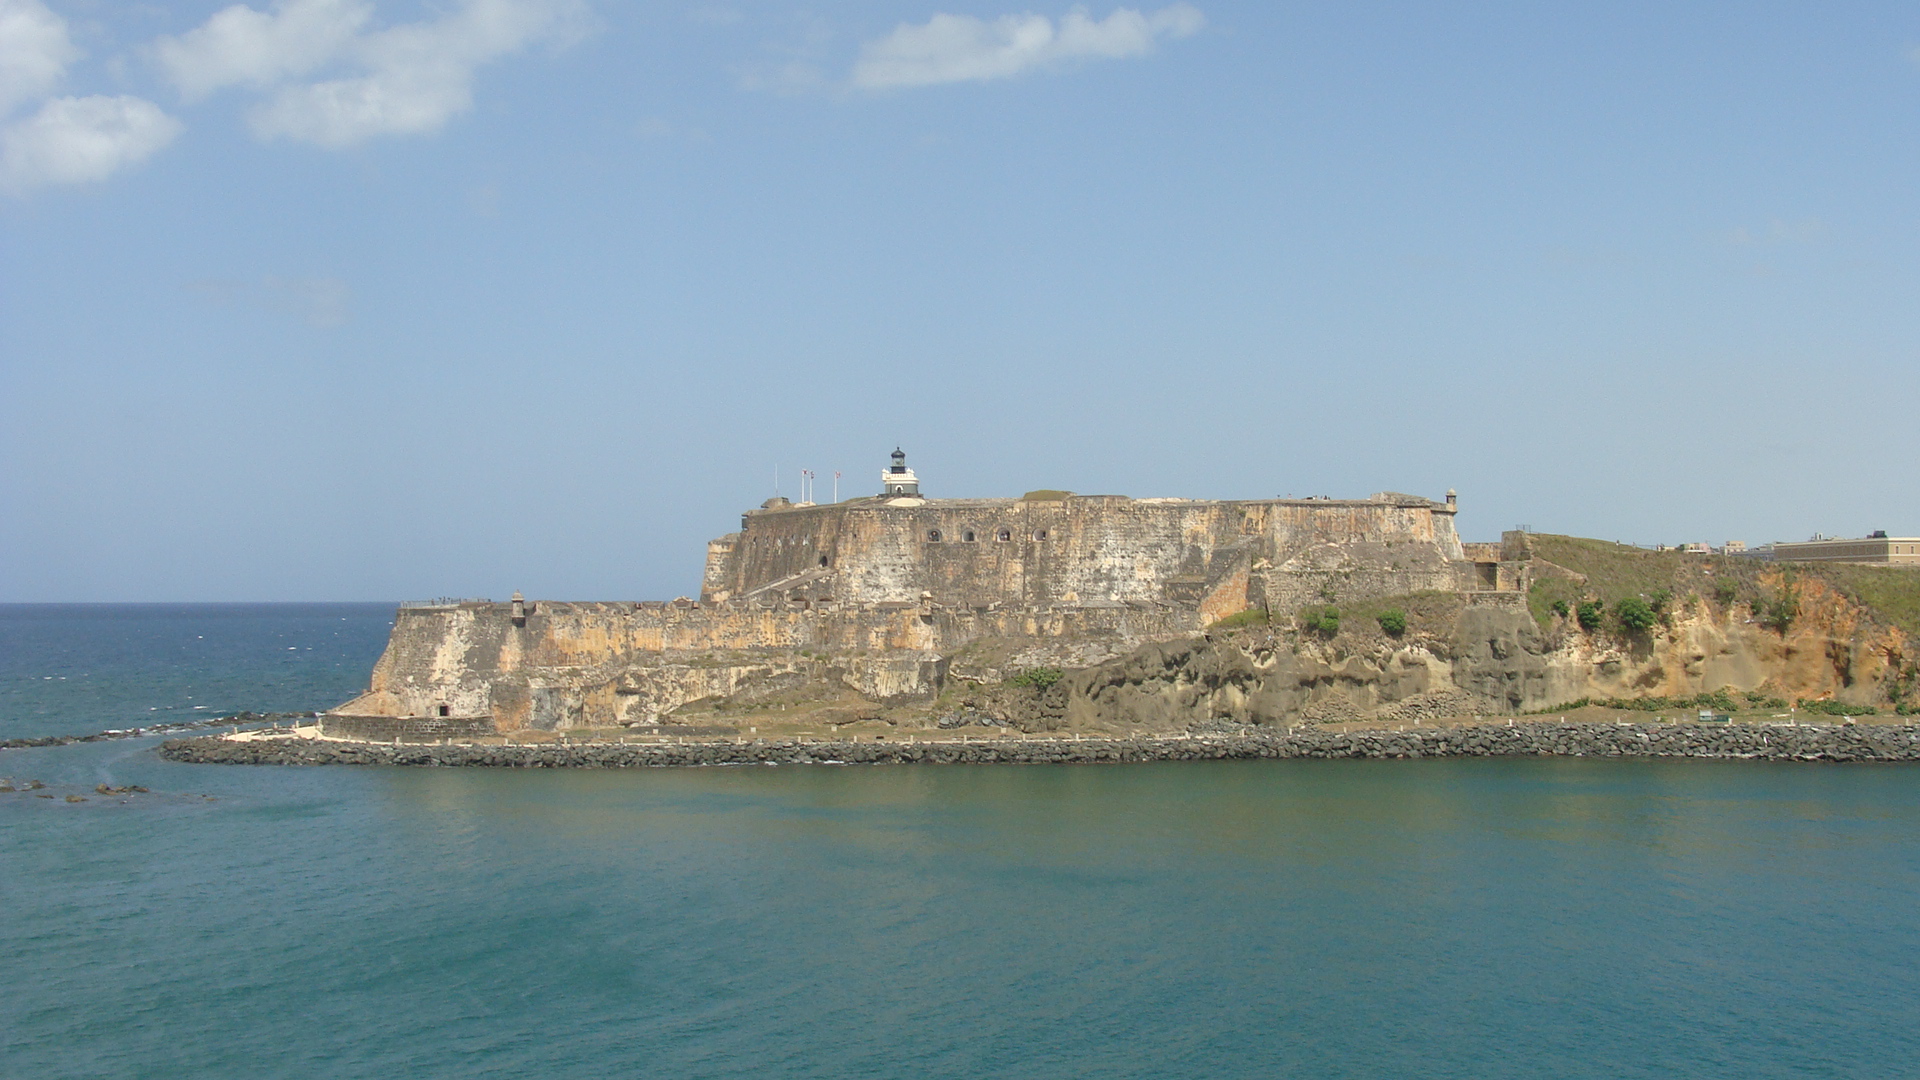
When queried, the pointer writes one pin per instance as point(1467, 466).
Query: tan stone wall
point(1095, 549)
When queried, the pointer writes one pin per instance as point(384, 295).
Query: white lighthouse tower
point(899, 480)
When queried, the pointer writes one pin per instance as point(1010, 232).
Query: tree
point(1589, 613)
point(1393, 621)
point(1777, 615)
point(1635, 614)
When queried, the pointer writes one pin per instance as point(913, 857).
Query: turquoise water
point(1297, 919)
point(74, 669)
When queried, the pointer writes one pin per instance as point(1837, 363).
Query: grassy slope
point(1615, 571)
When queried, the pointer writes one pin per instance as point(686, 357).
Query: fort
point(892, 595)
point(1054, 613)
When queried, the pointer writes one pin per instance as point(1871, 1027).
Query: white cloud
point(242, 46)
point(962, 48)
point(34, 52)
point(74, 140)
point(402, 80)
point(69, 140)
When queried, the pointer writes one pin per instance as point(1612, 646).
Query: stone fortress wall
point(877, 594)
point(1084, 550)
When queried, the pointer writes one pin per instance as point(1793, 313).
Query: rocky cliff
point(1759, 636)
point(1584, 621)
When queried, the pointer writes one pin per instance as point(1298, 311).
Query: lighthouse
point(899, 480)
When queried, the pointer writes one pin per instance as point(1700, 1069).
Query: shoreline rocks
point(237, 719)
point(1764, 742)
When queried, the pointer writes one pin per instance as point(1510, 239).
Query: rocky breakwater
point(1767, 742)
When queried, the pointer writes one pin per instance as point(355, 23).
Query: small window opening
point(967, 536)
point(1005, 535)
point(823, 560)
point(933, 536)
point(1039, 534)
point(445, 711)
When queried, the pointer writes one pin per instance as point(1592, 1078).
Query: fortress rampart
point(1222, 556)
point(877, 594)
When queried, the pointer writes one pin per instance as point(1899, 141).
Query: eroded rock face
point(1143, 668)
point(1495, 660)
point(1501, 659)
point(1174, 685)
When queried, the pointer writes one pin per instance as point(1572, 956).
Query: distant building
point(1876, 547)
point(1734, 547)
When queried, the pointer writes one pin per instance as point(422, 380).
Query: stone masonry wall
point(1077, 550)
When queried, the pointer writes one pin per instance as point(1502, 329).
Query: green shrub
point(1393, 621)
point(1719, 701)
point(1659, 599)
point(1039, 678)
point(1835, 708)
point(1590, 612)
point(1635, 614)
point(1322, 621)
point(1560, 608)
point(1726, 590)
point(1777, 614)
point(1759, 700)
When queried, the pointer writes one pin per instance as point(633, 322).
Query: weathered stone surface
point(1217, 557)
point(877, 595)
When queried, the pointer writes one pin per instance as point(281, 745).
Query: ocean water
point(1435, 918)
point(74, 669)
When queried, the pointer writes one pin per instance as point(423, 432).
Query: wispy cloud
point(322, 302)
point(1776, 231)
point(402, 80)
point(963, 48)
point(796, 62)
point(67, 140)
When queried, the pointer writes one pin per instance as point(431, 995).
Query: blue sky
point(344, 299)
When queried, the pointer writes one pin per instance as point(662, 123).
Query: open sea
point(1433, 918)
